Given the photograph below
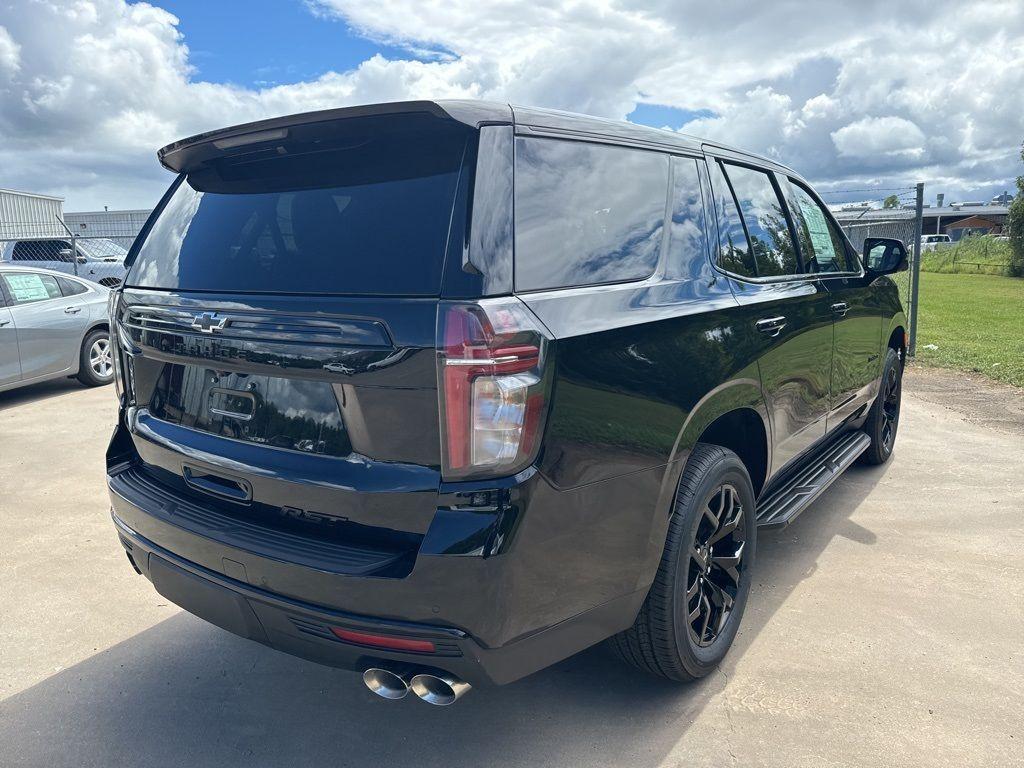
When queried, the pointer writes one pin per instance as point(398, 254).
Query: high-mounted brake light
point(493, 379)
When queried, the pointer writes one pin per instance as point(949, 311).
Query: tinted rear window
point(586, 213)
point(362, 211)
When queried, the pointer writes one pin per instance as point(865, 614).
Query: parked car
point(446, 392)
point(99, 260)
point(933, 242)
point(52, 326)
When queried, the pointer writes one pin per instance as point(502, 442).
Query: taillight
point(493, 380)
point(115, 341)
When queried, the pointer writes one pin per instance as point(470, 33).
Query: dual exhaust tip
point(440, 689)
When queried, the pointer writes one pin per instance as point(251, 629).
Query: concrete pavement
point(884, 629)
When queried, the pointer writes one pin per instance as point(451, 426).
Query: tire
point(884, 417)
point(95, 368)
point(662, 640)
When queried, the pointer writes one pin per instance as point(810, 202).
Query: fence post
point(74, 252)
point(916, 269)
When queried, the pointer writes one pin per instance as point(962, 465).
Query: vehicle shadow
point(186, 693)
point(34, 393)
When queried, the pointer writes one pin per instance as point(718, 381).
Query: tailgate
point(312, 414)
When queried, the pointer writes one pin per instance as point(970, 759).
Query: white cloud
point(10, 53)
point(874, 91)
point(873, 136)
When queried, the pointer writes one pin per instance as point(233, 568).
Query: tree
point(892, 201)
point(1016, 227)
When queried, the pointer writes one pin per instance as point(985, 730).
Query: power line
point(905, 190)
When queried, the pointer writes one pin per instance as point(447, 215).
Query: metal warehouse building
point(955, 220)
point(26, 214)
point(119, 226)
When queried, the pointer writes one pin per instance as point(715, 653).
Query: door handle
point(771, 325)
point(72, 310)
point(841, 308)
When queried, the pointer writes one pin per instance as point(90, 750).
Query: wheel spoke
point(729, 527)
point(707, 616)
point(691, 591)
point(730, 563)
point(699, 558)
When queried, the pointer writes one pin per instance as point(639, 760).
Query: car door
point(10, 364)
point(855, 307)
point(49, 326)
point(786, 315)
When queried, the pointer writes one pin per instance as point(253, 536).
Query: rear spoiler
point(190, 153)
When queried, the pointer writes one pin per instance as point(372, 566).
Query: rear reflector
point(383, 641)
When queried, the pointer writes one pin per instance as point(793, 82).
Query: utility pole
point(915, 271)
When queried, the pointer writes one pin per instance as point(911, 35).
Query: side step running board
point(780, 508)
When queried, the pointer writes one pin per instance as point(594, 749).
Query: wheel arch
point(733, 416)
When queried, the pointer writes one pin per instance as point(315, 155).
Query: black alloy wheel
point(692, 612)
point(890, 407)
point(716, 566)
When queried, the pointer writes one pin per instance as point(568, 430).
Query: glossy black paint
point(519, 571)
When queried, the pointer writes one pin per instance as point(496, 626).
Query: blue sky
point(268, 42)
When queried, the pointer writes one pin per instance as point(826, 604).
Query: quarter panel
point(632, 364)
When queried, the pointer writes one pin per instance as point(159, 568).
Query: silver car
point(99, 260)
point(52, 325)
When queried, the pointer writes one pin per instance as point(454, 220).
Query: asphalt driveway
point(884, 629)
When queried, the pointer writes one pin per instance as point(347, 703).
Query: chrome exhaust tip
point(440, 690)
point(387, 683)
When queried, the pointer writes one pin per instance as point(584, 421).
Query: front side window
point(764, 215)
point(586, 214)
point(821, 243)
point(29, 287)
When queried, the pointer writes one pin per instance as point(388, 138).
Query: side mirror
point(884, 255)
point(66, 254)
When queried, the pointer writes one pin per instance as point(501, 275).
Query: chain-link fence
point(903, 224)
point(53, 246)
point(901, 229)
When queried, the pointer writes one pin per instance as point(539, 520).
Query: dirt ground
point(884, 629)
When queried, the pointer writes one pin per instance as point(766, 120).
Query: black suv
point(446, 392)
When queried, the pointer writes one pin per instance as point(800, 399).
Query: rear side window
point(363, 210)
point(687, 250)
point(70, 287)
point(40, 250)
point(734, 253)
point(764, 215)
point(586, 214)
point(29, 287)
point(821, 244)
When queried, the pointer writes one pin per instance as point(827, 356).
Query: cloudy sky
point(873, 94)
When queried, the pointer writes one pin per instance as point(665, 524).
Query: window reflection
point(586, 213)
point(764, 215)
point(734, 249)
point(687, 239)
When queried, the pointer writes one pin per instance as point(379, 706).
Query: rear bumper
point(303, 630)
point(575, 572)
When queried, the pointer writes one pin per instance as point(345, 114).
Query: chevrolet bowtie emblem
point(208, 322)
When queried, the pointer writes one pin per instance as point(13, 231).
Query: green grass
point(972, 255)
point(977, 323)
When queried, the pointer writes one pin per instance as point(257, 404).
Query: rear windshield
point(360, 210)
